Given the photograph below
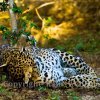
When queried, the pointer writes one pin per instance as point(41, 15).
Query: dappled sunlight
point(4, 15)
point(59, 32)
point(61, 22)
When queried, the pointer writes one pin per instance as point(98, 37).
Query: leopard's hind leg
point(79, 81)
point(74, 62)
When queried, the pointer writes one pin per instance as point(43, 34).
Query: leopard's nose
point(29, 75)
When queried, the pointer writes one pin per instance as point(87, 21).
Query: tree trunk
point(12, 16)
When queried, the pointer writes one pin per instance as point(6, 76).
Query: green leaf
point(24, 25)
point(3, 77)
point(34, 25)
point(27, 33)
point(46, 36)
point(48, 21)
point(60, 47)
point(42, 88)
point(16, 9)
point(3, 6)
point(3, 28)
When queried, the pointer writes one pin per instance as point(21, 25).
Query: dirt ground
point(43, 93)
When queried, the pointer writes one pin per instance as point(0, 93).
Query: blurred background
point(63, 24)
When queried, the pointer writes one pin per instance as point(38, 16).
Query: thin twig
point(43, 5)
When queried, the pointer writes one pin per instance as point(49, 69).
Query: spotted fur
point(53, 67)
point(50, 66)
point(18, 65)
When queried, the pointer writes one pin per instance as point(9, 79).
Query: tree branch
point(43, 5)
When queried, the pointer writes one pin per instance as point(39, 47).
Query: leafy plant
point(54, 96)
point(4, 77)
point(60, 47)
point(72, 95)
point(4, 91)
point(17, 9)
point(46, 36)
point(32, 24)
point(41, 88)
point(48, 21)
point(3, 6)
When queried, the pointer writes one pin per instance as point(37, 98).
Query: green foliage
point(32, 24)
point(3, 6)
point(17, 9)
point(23, 25)
point(1, 89)
point(70, 52)
point(54, 96)
point(79, 46)
point(8, 35)
point(3, 28)
point(33, 41)
point(6, 32)
point(42, 88)
point(12, 38)
point(98, 91)
point(46, 36)
point(3, 77)
point(48, 21)
point(60, 47)
point(72, 95)
point(4, 91)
